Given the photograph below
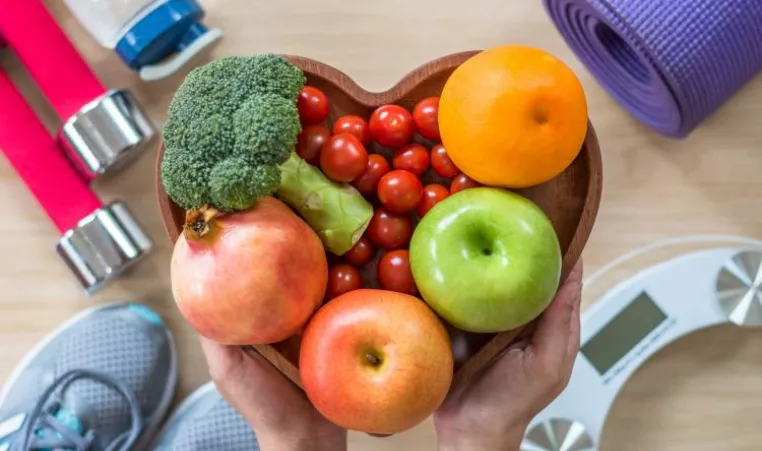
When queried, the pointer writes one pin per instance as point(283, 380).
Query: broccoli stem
point(336, 211)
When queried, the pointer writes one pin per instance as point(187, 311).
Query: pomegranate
point(252, 277)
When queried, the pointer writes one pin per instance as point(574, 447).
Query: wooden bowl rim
point(370, 99)
point(319, 70)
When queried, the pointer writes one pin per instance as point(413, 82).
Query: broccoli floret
point(214, 88)
point(268, 124)
point(239, 185)
point(230, 137)
point(240, 109)
point(272, 73)
point(184, 178)
point(223, 85)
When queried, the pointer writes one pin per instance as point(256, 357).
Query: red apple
point(376, 361)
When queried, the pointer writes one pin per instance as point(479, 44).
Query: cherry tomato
point(313, 106)
point(388, 230)
point(432, 195)
point(394, 272)
point(426, 118)
point(367, 182)
point(311, 140)
point(354, 125)
point(343, 158)
point(361, 253)
point(400, 191)
point(413, 158)
point(461, 182)
point(391, 126)
point(342, 278)
point(441, 162)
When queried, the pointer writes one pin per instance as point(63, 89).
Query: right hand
point(492, 410)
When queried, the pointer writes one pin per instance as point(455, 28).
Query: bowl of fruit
point(375, 247)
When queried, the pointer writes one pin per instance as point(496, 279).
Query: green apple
point(486, 260)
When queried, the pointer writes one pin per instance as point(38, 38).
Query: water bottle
point(153, 37)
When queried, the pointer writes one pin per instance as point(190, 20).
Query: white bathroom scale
point(634, 320)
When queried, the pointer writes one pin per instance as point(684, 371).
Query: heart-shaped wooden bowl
point(570, 200)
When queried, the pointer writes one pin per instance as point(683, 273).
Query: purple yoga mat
point(670, 63)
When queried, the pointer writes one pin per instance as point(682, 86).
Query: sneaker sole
point(164, 403)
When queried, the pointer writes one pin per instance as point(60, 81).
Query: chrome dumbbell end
point(105, 134)
point(103, 245)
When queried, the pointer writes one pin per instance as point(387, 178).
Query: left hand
point(277, 410)
point(492, 411)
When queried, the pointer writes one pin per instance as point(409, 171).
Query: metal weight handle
point(98, 242)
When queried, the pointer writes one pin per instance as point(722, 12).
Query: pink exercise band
point(51, 59)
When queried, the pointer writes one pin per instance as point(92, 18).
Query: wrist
point(480, 444)
point(480, 440)
point(279, 442)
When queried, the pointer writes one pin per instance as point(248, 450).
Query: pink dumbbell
point(98, 242)
point(101, 128)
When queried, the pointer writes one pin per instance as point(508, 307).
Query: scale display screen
point(623, 333)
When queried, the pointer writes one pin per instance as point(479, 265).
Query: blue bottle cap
point(168, 29)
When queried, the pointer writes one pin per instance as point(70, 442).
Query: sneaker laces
point(56, 435)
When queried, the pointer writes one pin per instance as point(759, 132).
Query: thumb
point(236, 370)
point(227, 364)
point(252, 385)
point(558, 327)
point(222, 359)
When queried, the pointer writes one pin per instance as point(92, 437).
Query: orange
point(513, 116)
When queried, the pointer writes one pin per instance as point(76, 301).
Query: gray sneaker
point(206, 422)
point(102, 381)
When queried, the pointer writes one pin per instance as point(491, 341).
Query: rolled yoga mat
point(670, 63)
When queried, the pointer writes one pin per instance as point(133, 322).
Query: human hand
point(279, 413)
point(492, 410)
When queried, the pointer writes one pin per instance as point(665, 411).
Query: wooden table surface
point(701, 393)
